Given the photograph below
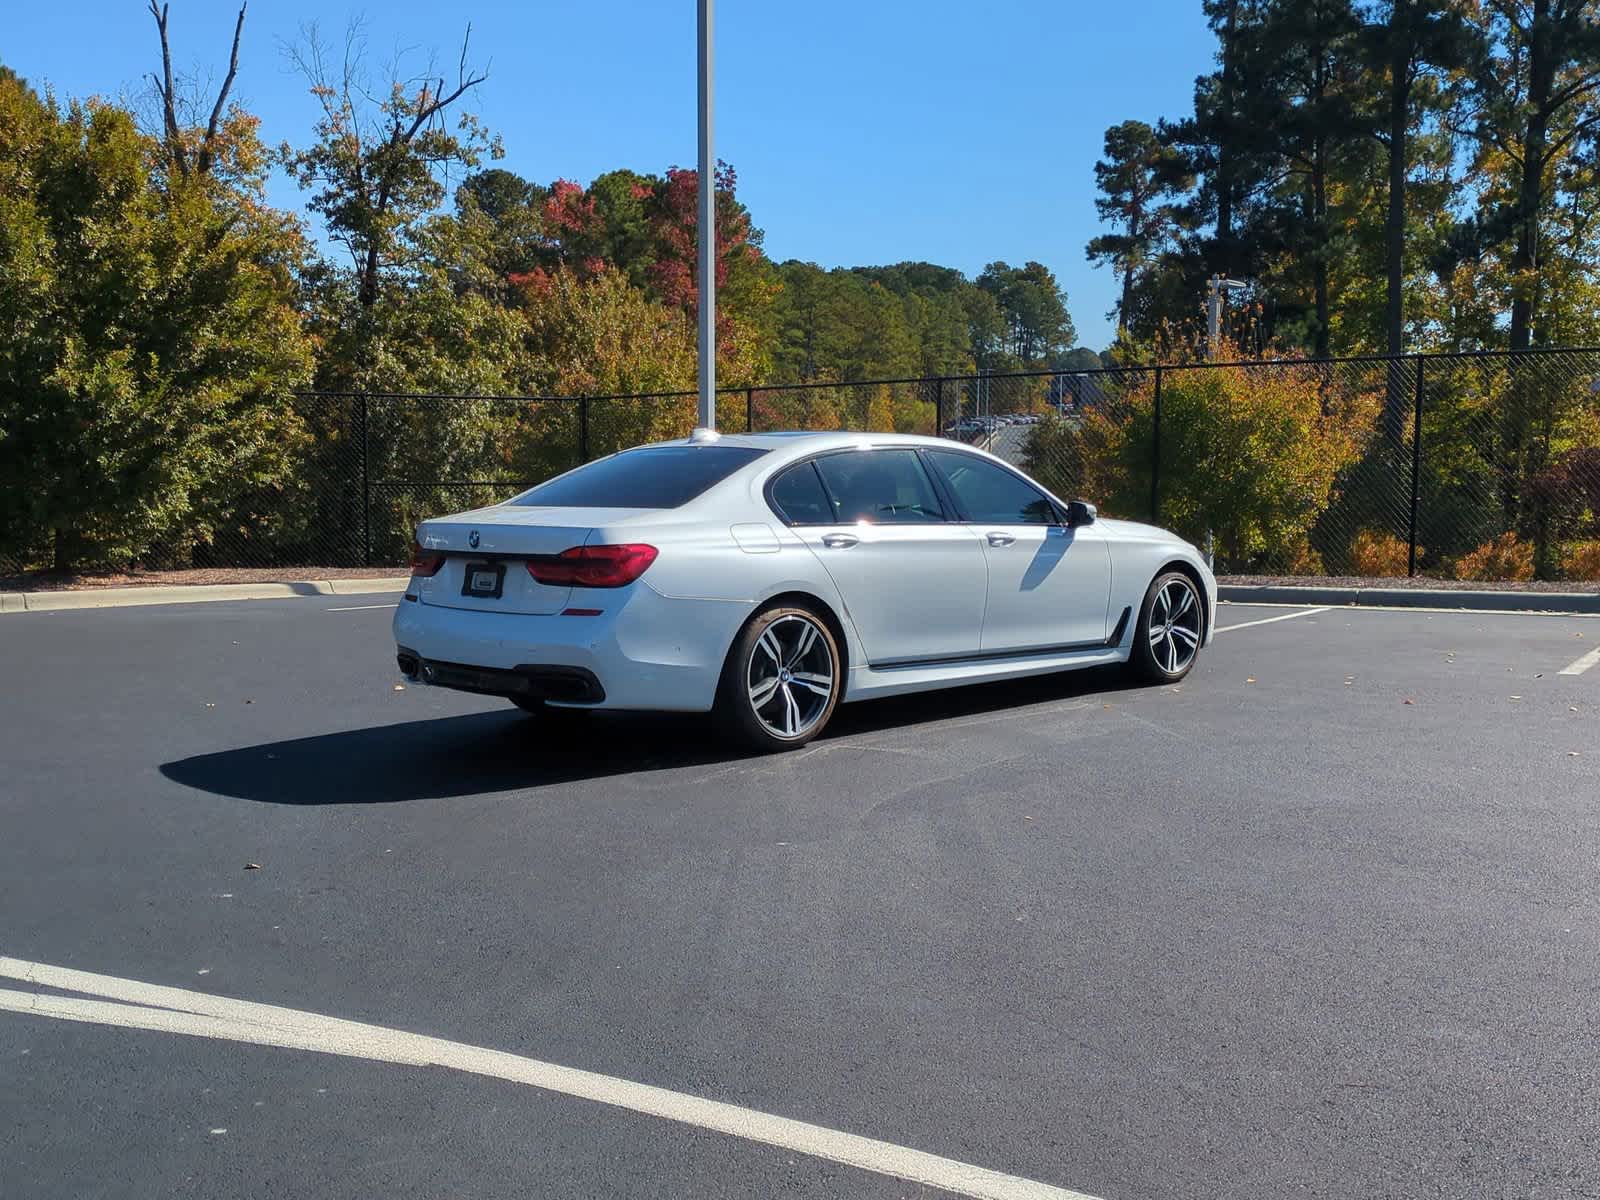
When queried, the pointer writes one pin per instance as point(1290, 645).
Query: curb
point(194, 593)
point(1554, 602)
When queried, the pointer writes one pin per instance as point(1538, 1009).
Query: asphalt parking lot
point(1319, 921)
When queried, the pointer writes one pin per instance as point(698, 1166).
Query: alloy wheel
point(1175, 625)
point(790, 676)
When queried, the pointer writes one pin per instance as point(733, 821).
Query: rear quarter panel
point(740, 556)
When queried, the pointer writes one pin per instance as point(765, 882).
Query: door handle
point(1001, 539)
point(839, 541)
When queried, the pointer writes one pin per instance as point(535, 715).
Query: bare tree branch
point(172, 128)
point(208, 144)
point(169, 110)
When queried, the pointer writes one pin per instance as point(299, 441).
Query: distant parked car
point(770, 577)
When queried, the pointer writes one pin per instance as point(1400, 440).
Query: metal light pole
point(1216, 286)
point(707, 232)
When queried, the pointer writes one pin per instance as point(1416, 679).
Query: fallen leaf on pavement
point(252, 866)
point(399, 687)
point(1252, 679)
point(1410, 701)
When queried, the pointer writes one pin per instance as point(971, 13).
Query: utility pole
point(1216, 286)
point(707, 231)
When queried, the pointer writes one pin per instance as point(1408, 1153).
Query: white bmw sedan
point(769, 578)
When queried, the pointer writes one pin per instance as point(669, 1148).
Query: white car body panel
point(887, 573)
point(1048, 586)
point(937, 592)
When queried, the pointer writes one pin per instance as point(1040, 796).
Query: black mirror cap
point(1080, 512)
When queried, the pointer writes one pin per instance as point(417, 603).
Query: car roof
point(807, 440)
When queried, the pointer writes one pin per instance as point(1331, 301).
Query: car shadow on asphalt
point(504, 750)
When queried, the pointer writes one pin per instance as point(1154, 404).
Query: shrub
point(1380, 554)
point(1251, 454)
point(1582, 561)
point(1303, 560)
point(1504, 558)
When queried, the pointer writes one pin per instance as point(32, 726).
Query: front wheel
point(1171, 627)
point(781, 681)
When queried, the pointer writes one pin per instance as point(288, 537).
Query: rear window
point(799, 497)
point(653, 477)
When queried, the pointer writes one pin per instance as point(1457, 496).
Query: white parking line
point(195, 1014)
point(1583, 664)
point(1310, 612)
point(362, 607)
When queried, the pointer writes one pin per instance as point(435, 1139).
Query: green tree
point(152, 336)
point(1408, 46)
point(623, 201)
point(502, 213)
point(1136, 174)
point(375, 168)
point(1537, 90)
point(1034, 309)
point(601, 336)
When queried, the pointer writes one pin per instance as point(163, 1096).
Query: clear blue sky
point(863, 131)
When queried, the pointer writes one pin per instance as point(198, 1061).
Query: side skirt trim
point(980, 657)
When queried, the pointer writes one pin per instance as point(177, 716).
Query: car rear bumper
point(561, 685)
point(643, 650)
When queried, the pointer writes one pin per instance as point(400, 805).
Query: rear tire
point(1171, 627)
point(782, 678)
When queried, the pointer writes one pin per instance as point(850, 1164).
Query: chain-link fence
point(1469, 466)
point(1477, 466)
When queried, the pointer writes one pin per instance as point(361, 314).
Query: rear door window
point(882, 487)
point(649, 477)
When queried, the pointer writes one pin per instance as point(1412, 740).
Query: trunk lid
point(506, 536)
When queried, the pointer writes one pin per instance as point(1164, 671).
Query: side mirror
point(1080, 512)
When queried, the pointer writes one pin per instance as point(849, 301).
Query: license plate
point(484, 580)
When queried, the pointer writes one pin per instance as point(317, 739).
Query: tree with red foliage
point(674, 220)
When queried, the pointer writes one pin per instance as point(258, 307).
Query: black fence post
point(366, 485)
point(583, 429)
point(1155, 455)
point(749, 410)
point(1416, 467)
point(938, 408)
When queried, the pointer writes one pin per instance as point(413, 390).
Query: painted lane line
point(1581, 665)
point(361, 607)
point(135, 1005)
point(1310, 612)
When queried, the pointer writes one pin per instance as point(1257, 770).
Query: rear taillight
point(593, 566)
point(425, 563)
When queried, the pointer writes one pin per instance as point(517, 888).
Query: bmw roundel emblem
point(472, 539)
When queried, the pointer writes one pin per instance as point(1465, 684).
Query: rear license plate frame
point(470, 578)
